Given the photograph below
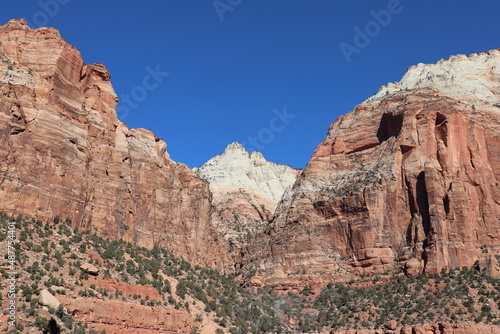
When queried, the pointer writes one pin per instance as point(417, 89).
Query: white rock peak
point(237, 169)
point(474, 79)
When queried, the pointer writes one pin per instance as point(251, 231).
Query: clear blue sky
point(227, 76)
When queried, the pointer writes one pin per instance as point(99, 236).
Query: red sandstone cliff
point(410, 177)
point(127, 318)
point(64, 152)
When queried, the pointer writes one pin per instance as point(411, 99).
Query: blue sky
point(270, 74)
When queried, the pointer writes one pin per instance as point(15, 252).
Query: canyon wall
point(407, 180)
point(63, 152)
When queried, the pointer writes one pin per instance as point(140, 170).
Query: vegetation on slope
point(51, 255)
point(454, 296)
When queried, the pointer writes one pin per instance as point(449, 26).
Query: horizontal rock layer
point(127, 318)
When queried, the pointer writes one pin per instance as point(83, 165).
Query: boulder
point(413, 267)
point(90, 268)
point(47, 299)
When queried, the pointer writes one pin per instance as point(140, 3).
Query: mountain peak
point(235, 146)
point(17, 23)
point(237, 168)
point(59, 118)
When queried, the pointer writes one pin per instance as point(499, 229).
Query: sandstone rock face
point(472, 78)
point(64, 152)
point(237, 169)
point(246, 190)
point(490, 265)
point(411, 175)
point(462, 328)
point(128, 318)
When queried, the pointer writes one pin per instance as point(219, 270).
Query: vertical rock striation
point(63, 152)
point(411, 177)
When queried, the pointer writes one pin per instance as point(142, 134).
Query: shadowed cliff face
point(411, 180)
point(64, 152)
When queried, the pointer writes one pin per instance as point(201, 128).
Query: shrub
point(41, 323)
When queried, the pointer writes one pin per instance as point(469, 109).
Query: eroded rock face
point(413, 175)
point(462, 328)
point(235, 168)
point(64, 152)
point(128, 318)
point(246, 190)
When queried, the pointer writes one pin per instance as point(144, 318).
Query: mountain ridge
point(471, 77)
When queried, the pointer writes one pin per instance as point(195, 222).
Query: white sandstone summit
point(474, 79)
point(246, 190)
point(236, 169)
